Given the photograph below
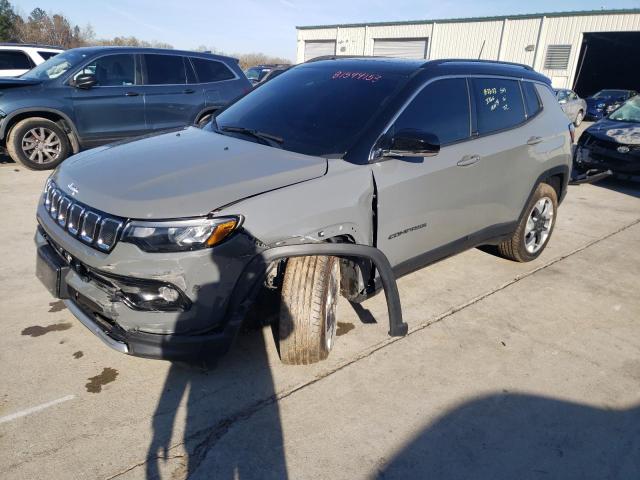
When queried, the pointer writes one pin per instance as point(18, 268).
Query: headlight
point(600, 105)
point(179, 235)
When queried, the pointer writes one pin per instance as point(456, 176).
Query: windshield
point(629, 112)
point(610, 93)
point(316, 110)
point(56, 66)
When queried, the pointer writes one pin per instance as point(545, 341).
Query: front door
point(424, 203)
point(114, 107)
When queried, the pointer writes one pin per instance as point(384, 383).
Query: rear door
point(171, 100)
point(425, 203)
point(507, 142)
point(216, 82)
point(114, 107)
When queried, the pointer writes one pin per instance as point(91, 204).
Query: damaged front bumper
point(110, 293)
point(231, 276)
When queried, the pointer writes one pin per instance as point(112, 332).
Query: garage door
point(400, 47)
point(318, 48)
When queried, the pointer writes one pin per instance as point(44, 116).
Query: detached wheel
point(307, 324)
point(579, 118)
point(535, 228)
point(38, 143)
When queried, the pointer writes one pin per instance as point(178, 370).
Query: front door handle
point(468, 160)
point(534, 140)
point(188, 90)
point(131, 94)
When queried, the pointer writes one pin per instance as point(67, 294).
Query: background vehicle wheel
point(38, 143)
point(307, 324)
point(535, 228)
point(204, 120)
point(579, 118)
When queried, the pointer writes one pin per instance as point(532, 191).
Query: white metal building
point(585, 50)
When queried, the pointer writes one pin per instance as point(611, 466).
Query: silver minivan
point(335, 178)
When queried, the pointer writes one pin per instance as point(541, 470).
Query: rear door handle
point(188, 90)
point(131, 94)
point(468, 160)
point(534, 140)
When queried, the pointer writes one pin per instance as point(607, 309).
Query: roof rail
point(32, 45)
point(336, 57)
point(469, 60)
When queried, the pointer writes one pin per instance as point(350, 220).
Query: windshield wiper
point(272, 140)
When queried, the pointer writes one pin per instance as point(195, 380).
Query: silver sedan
point(573, 106)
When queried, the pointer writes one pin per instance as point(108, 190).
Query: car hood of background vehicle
point(17, 82)
point(612, 130)
point(181, 174)
point(592, 102)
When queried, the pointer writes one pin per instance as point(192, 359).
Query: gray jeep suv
point(337, 177)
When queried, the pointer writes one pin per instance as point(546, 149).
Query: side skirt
point(487, 236)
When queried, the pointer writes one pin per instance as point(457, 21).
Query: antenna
point(481, 49)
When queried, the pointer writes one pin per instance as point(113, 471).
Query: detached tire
point(535, 228)
point(307, 325)
point(38, 143)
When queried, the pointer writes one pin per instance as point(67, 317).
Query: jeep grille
point(92, 227)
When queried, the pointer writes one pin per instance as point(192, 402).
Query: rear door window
point(165, 69)
point(531, 99)
point(209, 71)
point(15, 60)
point(498, 103)
point(112, 70)
point(441, 108)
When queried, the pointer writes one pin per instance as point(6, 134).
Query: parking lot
point(509, 371)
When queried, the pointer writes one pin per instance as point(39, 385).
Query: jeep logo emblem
point(623, 149)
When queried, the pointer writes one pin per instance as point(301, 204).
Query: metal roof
point(479, 19)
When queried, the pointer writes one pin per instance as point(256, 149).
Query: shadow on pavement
point(626, 186)
point(514, 436)
point(213, 399)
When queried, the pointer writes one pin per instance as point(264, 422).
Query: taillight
point(572, 132)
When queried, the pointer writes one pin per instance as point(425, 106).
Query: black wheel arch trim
point(8, 119)
point(250, 280)
point(563, 170)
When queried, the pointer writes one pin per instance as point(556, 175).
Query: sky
point(268, 26)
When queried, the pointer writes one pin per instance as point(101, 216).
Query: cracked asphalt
point(509, 371)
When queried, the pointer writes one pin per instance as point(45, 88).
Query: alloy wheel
point(41, 145)
point(539, 224)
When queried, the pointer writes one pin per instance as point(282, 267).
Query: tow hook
point(590, 176)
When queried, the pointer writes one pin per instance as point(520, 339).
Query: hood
point(180, 174)
point(17, 82)
point(615, 131)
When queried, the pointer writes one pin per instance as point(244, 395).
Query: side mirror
point(85, 81)
point(411, 143)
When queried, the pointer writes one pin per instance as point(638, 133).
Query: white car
point(18, 58)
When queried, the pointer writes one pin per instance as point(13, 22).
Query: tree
point(8, 20)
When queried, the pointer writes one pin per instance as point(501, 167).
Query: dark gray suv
point(335, 177)
point(87, 97)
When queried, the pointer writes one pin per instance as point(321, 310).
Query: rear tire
point(535, 228)
point(38, 143)
point(307, 324)
point(204, 120)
